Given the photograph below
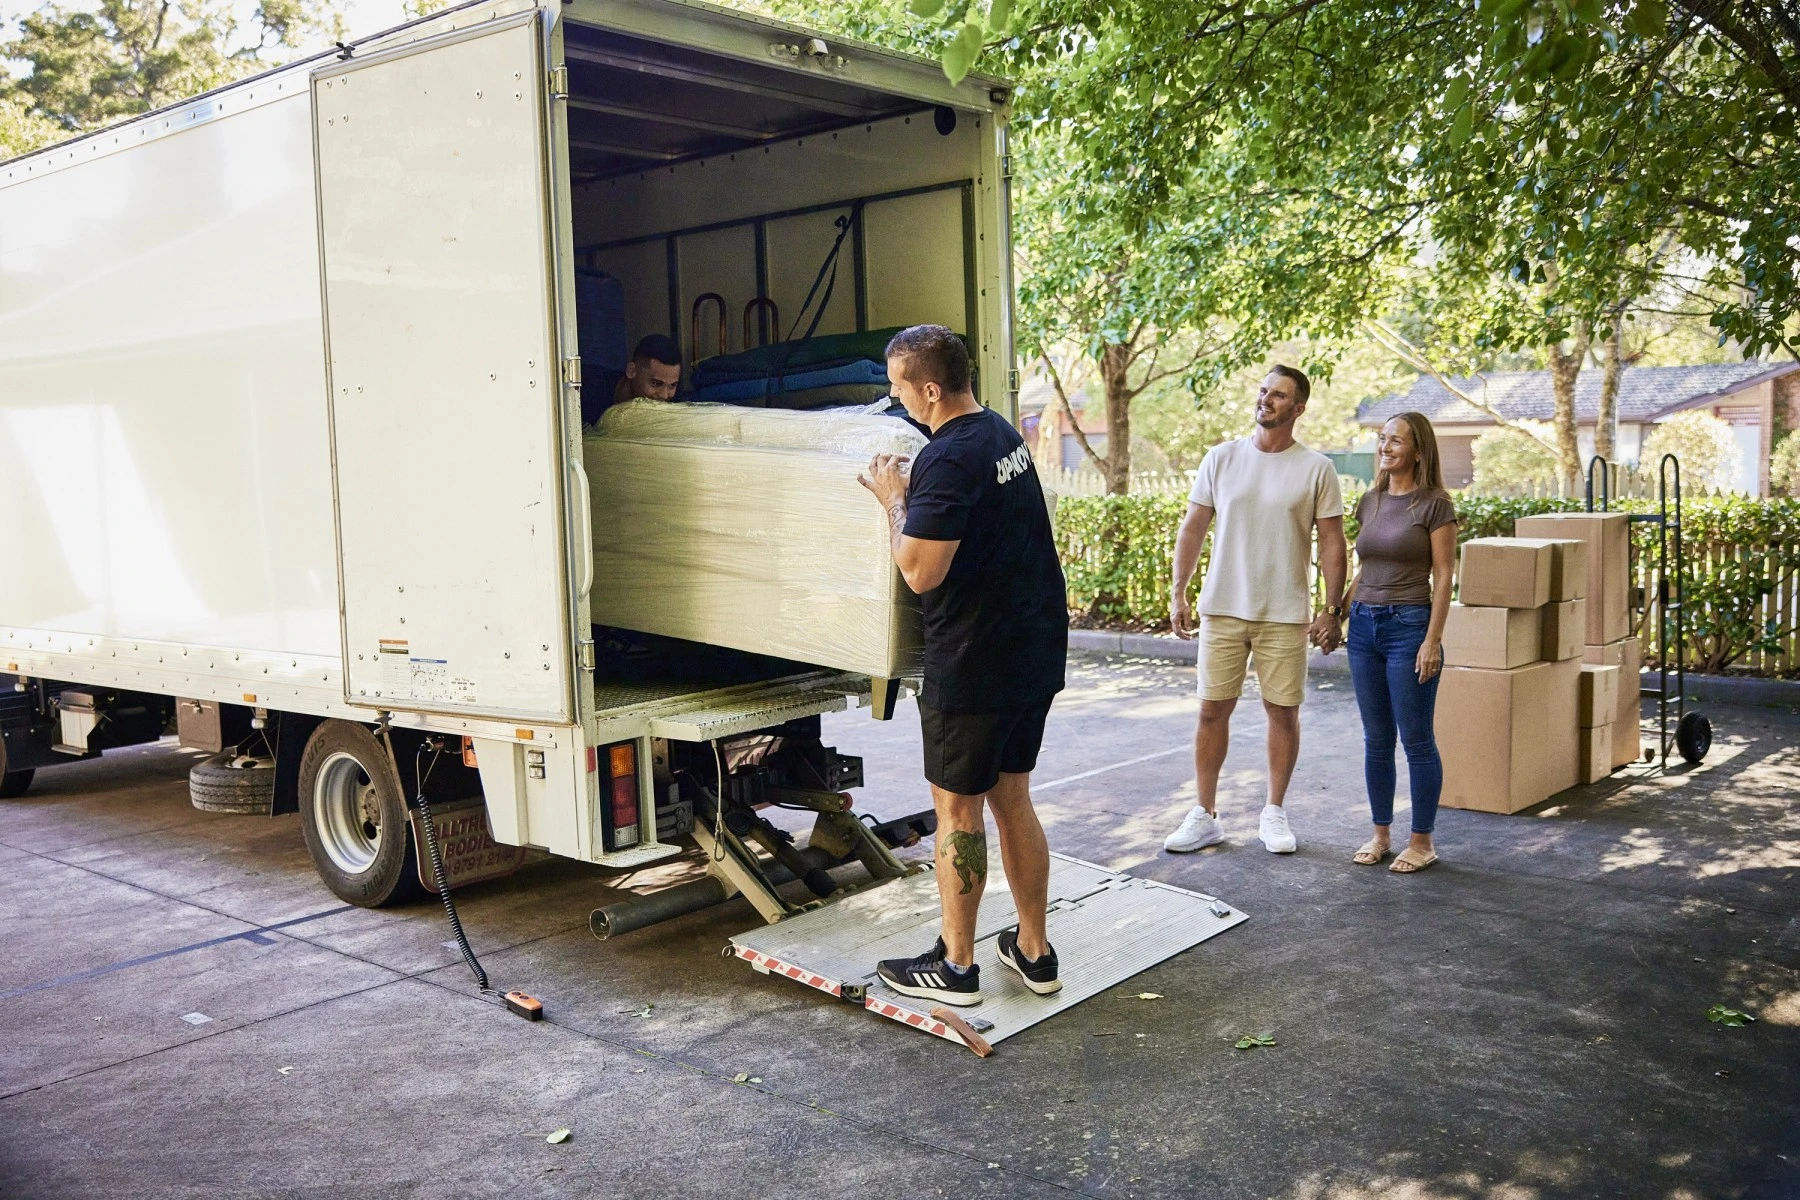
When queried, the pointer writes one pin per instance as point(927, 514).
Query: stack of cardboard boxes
point(1508, 708)
point(1606, 644)
point(1520, 714)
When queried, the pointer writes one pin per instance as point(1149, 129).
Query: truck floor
point(1526, 1019)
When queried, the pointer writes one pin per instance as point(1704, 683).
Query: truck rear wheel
point(353, 815)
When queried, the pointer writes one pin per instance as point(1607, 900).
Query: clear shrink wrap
point(747, 528)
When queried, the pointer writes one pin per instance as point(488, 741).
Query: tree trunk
point(1606, 423)
point(1115, 362)
point(1564, 370)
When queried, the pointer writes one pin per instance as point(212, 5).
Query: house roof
point(1645, 393)
point(1037, 394)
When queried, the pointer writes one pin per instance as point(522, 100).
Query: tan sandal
point(1370, 855)
point(1410, 861)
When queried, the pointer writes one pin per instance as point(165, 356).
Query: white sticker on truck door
point(423, 680)
point(433, 682)
point(396, 668)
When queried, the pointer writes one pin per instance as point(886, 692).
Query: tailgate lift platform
point(1106, 926)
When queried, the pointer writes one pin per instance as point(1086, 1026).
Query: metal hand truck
point(1693, 732)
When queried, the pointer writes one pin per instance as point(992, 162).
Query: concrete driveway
point(185, 1011)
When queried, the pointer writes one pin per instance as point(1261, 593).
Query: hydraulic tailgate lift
point(1107, 927)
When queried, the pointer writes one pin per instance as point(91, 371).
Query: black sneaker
point(931, 978)
point(1039, 974)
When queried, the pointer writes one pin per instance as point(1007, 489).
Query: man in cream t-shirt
point(1266, 493)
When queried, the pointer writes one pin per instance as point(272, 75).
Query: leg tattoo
point(967, 852)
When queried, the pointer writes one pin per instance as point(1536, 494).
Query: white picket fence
point(1626, 483)
point(1091, 483)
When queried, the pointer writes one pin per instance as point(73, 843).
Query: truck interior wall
point(915, 244)
point(164, 461)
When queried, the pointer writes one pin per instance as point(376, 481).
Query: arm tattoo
point(896, 521)
point(967, 852)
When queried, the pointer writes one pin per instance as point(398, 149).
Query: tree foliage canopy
point(91, 67)
point(1556, 143)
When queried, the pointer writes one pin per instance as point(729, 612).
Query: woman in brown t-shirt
point(1406, 551)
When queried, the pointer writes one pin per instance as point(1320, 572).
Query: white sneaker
point(1199, 828)
point(1275, 832)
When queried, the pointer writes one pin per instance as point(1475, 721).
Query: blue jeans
point(1384, 649)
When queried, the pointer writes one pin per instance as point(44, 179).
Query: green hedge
point(1743, 567)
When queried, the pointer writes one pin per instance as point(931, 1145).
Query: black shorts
point(965, 753)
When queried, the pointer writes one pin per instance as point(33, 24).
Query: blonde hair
point(1428, 475)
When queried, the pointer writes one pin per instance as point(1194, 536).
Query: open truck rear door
point(451, 409)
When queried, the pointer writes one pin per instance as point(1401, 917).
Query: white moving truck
point(290, 433)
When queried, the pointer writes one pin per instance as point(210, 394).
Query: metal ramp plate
point(1106, 926)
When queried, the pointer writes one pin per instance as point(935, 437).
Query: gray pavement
point(1525, 1020)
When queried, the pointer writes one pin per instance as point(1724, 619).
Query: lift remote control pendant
point(528, 1007)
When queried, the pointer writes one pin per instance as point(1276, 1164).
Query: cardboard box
point(1496, 638)
point(1504, 573)
point(1608, 539)
point(1564, 624)
point(1596, 753)
point(1626, 655)
point(1599, 695)
point(1508, 739)
point(1568, 569)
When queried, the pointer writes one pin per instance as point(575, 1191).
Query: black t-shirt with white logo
point(997, 628)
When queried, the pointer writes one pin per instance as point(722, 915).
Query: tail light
point(619, 807)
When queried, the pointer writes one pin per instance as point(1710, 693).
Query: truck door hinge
point(585, 649)
point(572, 370)
point(559, 83)
point(1006, 166)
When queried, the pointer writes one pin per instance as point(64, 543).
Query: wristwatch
point(1335, 610)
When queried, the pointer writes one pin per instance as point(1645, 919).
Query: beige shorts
point(1227, 644)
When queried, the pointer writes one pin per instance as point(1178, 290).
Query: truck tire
point(12, 783)
point(353, 816)
point(233, 783)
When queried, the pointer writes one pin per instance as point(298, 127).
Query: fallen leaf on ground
point(741, 1077)
point(1255, 1039)
point(284, 1070)
point(558, 1138)
point(1149, 995)
point(638, 1012)
point(1720, 1015)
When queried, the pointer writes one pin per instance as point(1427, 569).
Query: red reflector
point(593, 760)
point(469, 753)
point(623, 758)
point(625, 802)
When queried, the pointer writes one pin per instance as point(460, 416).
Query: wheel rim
point(347, 813)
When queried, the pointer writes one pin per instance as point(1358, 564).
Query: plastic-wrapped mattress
point(746, 528)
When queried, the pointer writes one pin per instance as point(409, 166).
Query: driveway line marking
point(1130, 762)
point(248, 935)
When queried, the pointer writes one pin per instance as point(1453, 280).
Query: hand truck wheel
point(1693, 736)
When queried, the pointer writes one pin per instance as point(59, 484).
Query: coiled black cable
point(438, 872)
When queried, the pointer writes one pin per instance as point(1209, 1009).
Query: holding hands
point(1326, 632)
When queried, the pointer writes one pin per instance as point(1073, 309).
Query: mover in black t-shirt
point(971, 535)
